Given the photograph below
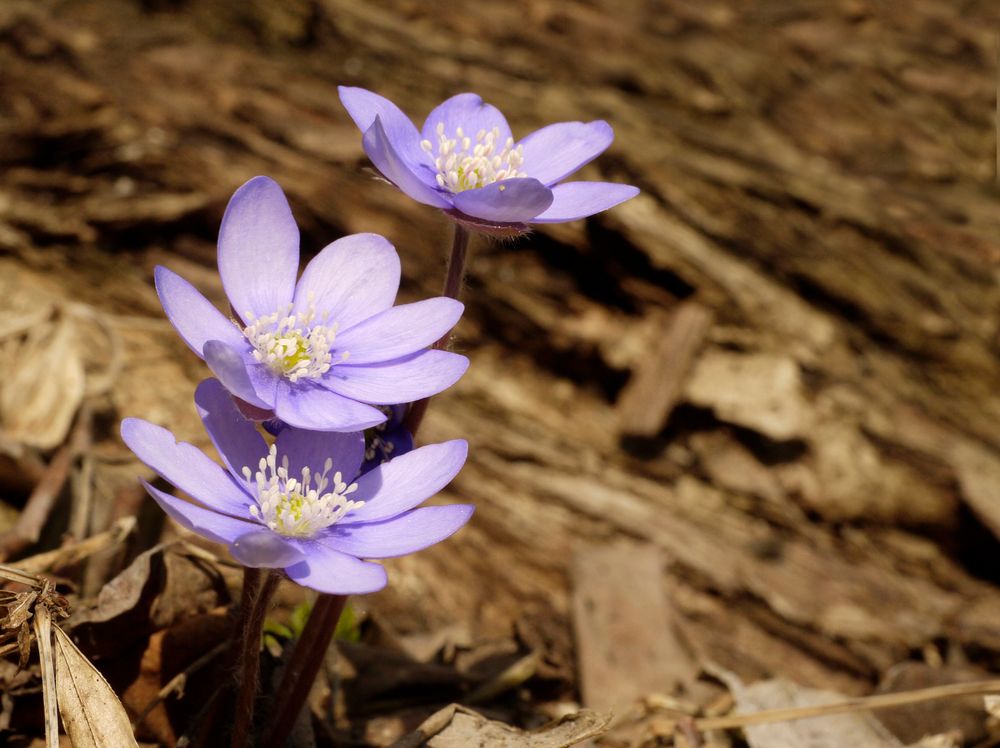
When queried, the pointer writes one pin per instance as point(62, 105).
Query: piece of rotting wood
point(627, 647)
point(652, 392)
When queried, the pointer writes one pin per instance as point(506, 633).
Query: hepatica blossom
point(466, 162)
point(387, 440)
point(318, 352)
point(300, 504)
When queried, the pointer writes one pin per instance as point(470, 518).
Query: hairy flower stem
point(453, 276)
point(307, 657)
point(256, 597)
point(303, 665)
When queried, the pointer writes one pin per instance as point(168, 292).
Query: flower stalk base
point(256, 598)
point(303, 665)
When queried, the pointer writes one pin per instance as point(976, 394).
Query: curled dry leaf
point(162, 585)
point(53, 353)
point(833, 731)
point(91, 712)
point(44, 385)
point(992, 704)
point(458, 727)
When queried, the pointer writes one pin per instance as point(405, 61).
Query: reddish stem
point(255, 602)
point(310, 649)
point(302, 667)
point(453, 289)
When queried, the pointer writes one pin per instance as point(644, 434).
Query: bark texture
point(821, 471)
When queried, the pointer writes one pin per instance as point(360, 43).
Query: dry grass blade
point(91, 712)
point(861, 703)
point(43, 635)
point(12, 574)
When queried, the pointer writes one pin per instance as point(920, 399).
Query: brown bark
point(819, 176)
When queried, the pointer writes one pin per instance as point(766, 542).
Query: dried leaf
point(458, 727)
point(992, 704)
point(44, 384)
point(834, 731)
point(23, 646)
point(161, 586)
point(91, 712)
point(19, 612)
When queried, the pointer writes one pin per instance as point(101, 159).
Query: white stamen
point(293, 506)
point(466, 164)
point(293, 345)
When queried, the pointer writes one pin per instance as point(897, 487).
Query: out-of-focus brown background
point(778, 365)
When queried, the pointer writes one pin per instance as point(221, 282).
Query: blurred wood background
point(778, 365)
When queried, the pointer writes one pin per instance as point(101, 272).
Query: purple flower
point(387, 440)
point(465, 162)
point(299, 505)
point(319, 352)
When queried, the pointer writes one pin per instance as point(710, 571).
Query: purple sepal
point(387, 440)
point(274, 426)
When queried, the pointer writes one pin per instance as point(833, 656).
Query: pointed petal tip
point(555, 151)
point(330, 571)
point(261, 180)
point(459, 445)
point(127, 427)
point(194, 317)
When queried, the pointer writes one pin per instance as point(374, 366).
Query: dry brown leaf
point(44, 385)
point(834, 731)
point(91, 712)
point(458, 727)
point(992, 704)
point(20, 611)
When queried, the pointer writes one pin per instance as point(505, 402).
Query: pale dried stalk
point(43, 635)
point(72, 554)
point(861, 703)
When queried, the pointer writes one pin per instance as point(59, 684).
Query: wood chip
point(627, 646)
point(653, 391)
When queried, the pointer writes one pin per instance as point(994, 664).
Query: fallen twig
point(177, 683)
point(36, 512)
